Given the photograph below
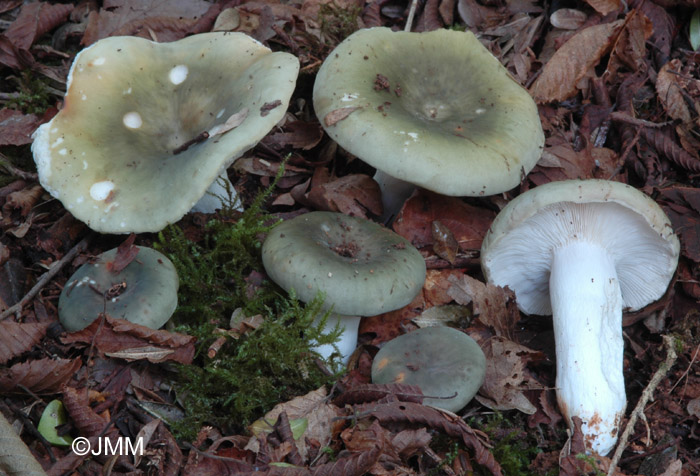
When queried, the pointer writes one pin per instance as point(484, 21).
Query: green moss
point(513, 448)
point(269, 365)
point(338, 23)
point(32, 94)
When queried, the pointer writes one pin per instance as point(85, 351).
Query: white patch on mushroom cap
point(132, 120)
point(349, 97)
point(85, 164)
point(63, 151)
point(57, 142)
point(101, 190)
point(99, 61)
point(480, 110)
point(178, 74)
point(220, 113)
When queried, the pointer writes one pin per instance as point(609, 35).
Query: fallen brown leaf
point(353, 195)
point(116, 335)
point(605, 6)
point(570, 63)
point(18, 338)
point(16, 128)
point(35, 19)
point(671, 90)
point(39, 376)
point(337, 115)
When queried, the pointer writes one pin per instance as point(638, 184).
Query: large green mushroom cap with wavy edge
point(362, 268)
point(435, 109)
point(445, 363)
point(147, 127)
point(144, 292)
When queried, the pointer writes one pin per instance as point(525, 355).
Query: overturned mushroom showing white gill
point(433, 109)
point(583, 251)
point(146, 128)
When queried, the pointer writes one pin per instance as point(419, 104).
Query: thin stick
point(411, 14)
point(646, 396)
point(46, 277)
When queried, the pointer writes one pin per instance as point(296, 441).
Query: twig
point(646, 396)
point(7, 165)
point(619, 116)
point(411, 14)
point(46, 277)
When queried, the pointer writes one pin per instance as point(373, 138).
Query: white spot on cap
point(122, 224)
point(126, 91)
point(56, 142)
point(85, 165)
point(99, 61)
point(178, 74)
point(79, 200)
point(63, 151)
point(101, 190)
point(348, 97)
point(220, 113)
point(132, 120)
point(480, 110)
point(83, 97)
point(413, 135)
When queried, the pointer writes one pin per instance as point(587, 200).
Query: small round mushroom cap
point(517, 250)
point(442, 361)
point(435, 109)
point(147, 127)
point(144, 292)
point(362, 268)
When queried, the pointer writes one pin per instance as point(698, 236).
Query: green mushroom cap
point(362, 268)
point(144, 292)
point(442, 361)
point(435, 109)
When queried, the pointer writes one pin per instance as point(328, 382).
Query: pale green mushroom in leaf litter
point(146, 128)
point(144, 292)
point(362, 268)
point(447, 365)
point(434, 109)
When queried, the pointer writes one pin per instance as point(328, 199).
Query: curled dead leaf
point(338, 115)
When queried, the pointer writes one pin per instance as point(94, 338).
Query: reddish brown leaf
point(430, 18)
point(168, 21)
point(35, 19)
point(84, 418)
point(353, 195)
point(444, 243)
point(682, 205)
point(666, 146)
point(417, 415)
point(18, 338)
point(605, 6)
point(297, 134)
point(570, 63)
point(39, 376)
point(373, 392)
point(338, 115)
point(16, 128)
point(467, 223)
point(630, 47)
point(671, 90)
point(494, 305)
point(119, 334)
point(22, 200)
point(126, 253)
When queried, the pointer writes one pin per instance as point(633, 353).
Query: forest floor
point(618, 97)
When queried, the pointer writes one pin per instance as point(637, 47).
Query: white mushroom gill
point(132, 120)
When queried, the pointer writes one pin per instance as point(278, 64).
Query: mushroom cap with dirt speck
point(362, 268)
point(129, 150)
point(435, 109)
point(444, 362)
point(144, 292)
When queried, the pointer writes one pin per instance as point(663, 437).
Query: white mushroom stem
point(394, 193)
point(216, 196)
point(348, 339)
point(587, 312)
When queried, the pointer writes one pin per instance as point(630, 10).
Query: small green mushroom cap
point(144, 292)
point(442, 361)
point(435, 109)
point(362, 268)
point(147, 127)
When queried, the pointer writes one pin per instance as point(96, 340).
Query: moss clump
point(514, 448)
point(250, 374)
point(337, 23)
point(32, 94)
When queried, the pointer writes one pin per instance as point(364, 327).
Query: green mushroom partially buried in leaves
point(447, 365)
point(361, 268)
point(144, 292)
